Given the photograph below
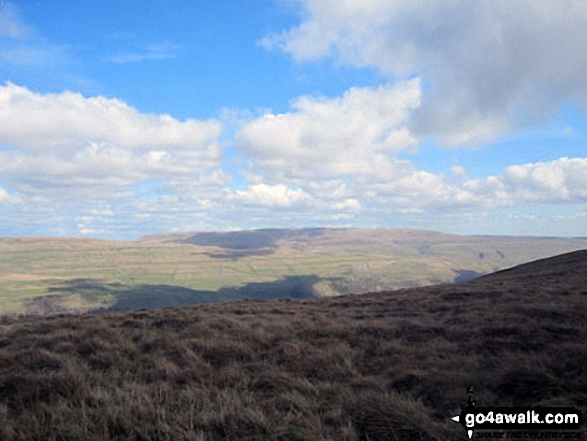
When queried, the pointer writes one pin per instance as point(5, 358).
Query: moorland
point(381, 366)
point(58, 275)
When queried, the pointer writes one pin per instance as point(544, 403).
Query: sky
point(121, 119)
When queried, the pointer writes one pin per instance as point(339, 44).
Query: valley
point(378, 366)
point(56, 275)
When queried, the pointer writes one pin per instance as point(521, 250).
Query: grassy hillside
point(385, 366)
point(57, 275)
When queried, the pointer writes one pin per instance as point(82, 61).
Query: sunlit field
point(87, 274)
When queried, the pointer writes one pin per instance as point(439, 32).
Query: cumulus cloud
point(65, 121)
point(333, 137)
point(411, 190)
point(277, 196)
point(68, 140)
point(481, 70)
point(564, 179)
point(353, 205)
point(561, 180)
point(344, 154)
point(492, 65)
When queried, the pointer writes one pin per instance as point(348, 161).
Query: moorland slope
point(382, 366)
point(56, 275)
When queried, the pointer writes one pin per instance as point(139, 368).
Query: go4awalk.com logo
point(511, 418)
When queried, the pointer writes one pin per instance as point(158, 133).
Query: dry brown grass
point(371, 367)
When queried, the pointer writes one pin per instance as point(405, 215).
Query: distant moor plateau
point(57, 275)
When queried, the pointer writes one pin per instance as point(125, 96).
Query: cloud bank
point(456, 74)
point(68, 140)
point(491, 66)
point(329, 160)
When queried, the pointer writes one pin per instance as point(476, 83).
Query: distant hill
point(254, 239)
point(56, 275)
point(381, 366)
point(570, 267)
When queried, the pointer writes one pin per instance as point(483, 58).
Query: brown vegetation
point(368, 367)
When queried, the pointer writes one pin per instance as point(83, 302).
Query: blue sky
point(119, 119)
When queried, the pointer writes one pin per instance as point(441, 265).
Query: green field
point(55, 275)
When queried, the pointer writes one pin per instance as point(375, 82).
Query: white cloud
point(411, 190)
point(458, 171)
point(344, 154)
point(561, 180)
point(277, 196)
point(557, 181)
point(482, 69)
point(348, 204)
point(161, 51)
point(493, 65)
point(349, 135)
point(68, 140)
point(416, 191)
point(91, 231)
point(65, 121)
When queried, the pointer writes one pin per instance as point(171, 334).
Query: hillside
point(389, 365)
point(56, 275)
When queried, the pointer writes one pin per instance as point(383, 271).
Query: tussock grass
point(385, 366)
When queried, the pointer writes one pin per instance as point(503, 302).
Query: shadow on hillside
point(119, 297)
point(464, 275)
point(238, 244)
point(238, 254)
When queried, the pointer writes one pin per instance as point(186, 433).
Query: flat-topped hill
point(51, 275)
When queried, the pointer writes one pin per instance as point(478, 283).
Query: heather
point(390, 365)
